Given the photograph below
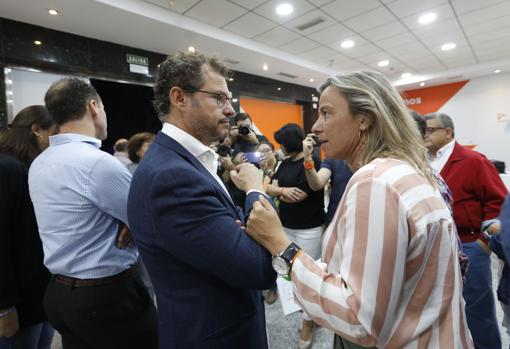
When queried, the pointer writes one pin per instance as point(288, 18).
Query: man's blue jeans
point(38, 336)
point(479, 297)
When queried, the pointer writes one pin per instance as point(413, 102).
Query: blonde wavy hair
point(393, 132)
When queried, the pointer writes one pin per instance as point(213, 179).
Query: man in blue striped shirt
point(95, 298)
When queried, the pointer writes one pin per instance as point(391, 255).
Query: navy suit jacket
point(205, 269)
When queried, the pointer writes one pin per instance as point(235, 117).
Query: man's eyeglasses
point(433, 129)
point(221, 98)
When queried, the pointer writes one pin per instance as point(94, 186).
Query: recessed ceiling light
point(311, 80)
point(497, 71)
point(53, 12)
point(448, 46)
point(191, 49)
point(265, 67)
point(279, 88)
point(284, 9)
point(383, 63)
point(37, 42)
point(427, 18)
point(347, 44)
point(405, 75)
point(422, 84)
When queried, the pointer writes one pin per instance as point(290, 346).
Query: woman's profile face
point(337, 129)
point(143, 150)
point(44, 137)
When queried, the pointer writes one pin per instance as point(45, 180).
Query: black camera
point(223, 150)
point(244, 130)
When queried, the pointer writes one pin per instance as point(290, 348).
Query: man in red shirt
point(478, 194)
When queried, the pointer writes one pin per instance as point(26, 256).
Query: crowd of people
point(171, 241)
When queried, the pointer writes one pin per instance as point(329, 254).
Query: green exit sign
point(139, 60)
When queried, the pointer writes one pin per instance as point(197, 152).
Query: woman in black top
point(22, 272)
point(301, 209)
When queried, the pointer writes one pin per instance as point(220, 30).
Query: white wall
point(474, 110)
point(28, 88)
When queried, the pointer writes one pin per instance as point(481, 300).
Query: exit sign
point(138, 60)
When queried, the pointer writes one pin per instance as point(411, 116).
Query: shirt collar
point(64, 138)
point(193, 145)
point(446, 149)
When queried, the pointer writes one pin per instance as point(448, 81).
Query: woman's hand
point(292, 195)
point(265, 227)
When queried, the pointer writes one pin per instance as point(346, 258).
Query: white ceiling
point(250, 32)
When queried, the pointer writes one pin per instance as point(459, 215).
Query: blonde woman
point(390, 276)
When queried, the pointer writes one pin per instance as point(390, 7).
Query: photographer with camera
point(242, 135)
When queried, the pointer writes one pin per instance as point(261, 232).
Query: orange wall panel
point(431, 99)
point(269, 116)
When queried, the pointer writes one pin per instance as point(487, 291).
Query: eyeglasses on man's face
point(434, 129)
point(221, 98)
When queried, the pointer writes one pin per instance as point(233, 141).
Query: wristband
point(6, 312)
point(309, 165)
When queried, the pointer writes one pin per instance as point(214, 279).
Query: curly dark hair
point(183, 69)
point(19, 140)
point(67, 99)
point(291, 137)
point(135, 144)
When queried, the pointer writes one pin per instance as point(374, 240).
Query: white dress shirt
point(438, 161)
point(203, 153)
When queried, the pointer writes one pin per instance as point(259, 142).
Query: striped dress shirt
point(80, 200)
point(390, 276)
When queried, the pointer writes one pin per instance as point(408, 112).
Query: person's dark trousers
point(342, 343)
point(118, 315)
point(479, 297)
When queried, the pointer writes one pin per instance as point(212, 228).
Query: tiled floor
point(283, 331)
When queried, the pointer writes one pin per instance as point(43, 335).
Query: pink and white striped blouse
point(390, 276)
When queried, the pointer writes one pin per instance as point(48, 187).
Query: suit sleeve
point(10, 192)
point(198, 228)
point(490, 190)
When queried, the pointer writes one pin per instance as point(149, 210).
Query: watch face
point(280, 266)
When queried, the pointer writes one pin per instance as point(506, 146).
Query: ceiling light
point(279, 88)
point(284, 9)
point(448, 46)
point(8, 82)
point(347, 44)
point(37, 42)
point(53, 12)
point(427, 18)
point(235, 100)
point(422, 84)
point(7, 70)
point(265, 67)
point(10, 93)
point(405, 75)
point(311, 80)
point(230, 79)
point(383, 63)
point(497, 71)
point(191, 49)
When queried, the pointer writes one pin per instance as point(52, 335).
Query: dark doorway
point(128, 110)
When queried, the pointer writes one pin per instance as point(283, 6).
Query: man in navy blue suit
point(207, 273)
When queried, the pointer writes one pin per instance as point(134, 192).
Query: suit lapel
point(168, 142)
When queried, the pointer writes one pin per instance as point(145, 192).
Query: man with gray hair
point(478, 194)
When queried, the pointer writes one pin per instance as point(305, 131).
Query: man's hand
point(9, 324)
point(124, 238)
point(308, 144)
point(252, 137)
point(247, 177)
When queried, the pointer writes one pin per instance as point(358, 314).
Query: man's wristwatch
point(282, 262)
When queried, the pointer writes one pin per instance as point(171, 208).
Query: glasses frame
point(429, 130)
point(221, 98)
